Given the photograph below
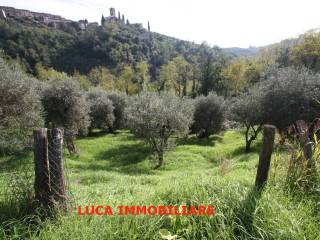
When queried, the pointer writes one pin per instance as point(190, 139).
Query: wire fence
point(45, 178)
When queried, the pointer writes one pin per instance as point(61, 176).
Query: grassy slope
point(118, 170)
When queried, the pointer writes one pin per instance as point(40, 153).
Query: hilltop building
point(50, 20)
point(113, 17)
point(58, 22)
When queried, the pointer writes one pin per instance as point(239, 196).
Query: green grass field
point(118, 170)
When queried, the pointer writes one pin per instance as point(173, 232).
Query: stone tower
point(112, 12)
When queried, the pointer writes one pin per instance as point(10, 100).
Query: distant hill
point(241, 52)
point(72, 46)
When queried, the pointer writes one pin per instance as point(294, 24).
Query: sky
point(225, 23)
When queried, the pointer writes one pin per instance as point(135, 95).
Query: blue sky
point(226, 23)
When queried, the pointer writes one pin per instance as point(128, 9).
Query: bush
point(66, 106)
point(209, 115)
point(156, 117)
point(101, 109)
point(20, 108)
point(119, 103)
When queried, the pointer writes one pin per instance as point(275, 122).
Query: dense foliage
point(157, 117)
point(119, 102)
point(116, 56)
point(290, 95)
point(32, 45)
point(101, 110)
point(209, 115)
point(284, 97)
point(65, 106)
point(20, 108)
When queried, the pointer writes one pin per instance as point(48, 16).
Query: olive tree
point(20, 108)
point(247, 110)
point(65, 106)
point(101, 109)
point(285, 96)
point(156, 117)
point(290, 95)
point(208, 115)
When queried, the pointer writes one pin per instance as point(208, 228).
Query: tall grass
point(118, 170)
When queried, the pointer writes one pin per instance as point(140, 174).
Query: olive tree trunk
point(251, 136)
point(160, 159)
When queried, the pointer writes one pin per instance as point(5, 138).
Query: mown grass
point(117, 169)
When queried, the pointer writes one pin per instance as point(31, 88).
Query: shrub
point(66, 106)
point(209, 115)
point(20, 108)
point(156, 117)
point(119, 103)
point(101, 109)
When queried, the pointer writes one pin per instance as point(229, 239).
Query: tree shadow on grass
point(194, 140)
point(241, 152)
point(245, 213)
point(124, 158)
point(102, 133)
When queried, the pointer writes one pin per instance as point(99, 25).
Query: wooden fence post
point(58, 195)
point(265, 155)
point(49, 176)
point(41, 160)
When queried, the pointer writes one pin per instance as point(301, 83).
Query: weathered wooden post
point(41, 160)
point(265, 155)
point(55, 140)
point(49, 176)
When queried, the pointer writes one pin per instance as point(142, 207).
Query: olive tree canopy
point(65, 106)
point(209, 115)
point(20, 108)
point(248, 111)
point(101, 109)
point(156, 117)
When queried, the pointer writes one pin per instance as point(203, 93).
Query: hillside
point(80, 46)
point(241, 52)
point(63, 44)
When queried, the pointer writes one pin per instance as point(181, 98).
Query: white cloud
point(219, 22)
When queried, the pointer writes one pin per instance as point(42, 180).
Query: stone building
point(113, 17)
point(83, 24)
point(50, 20)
